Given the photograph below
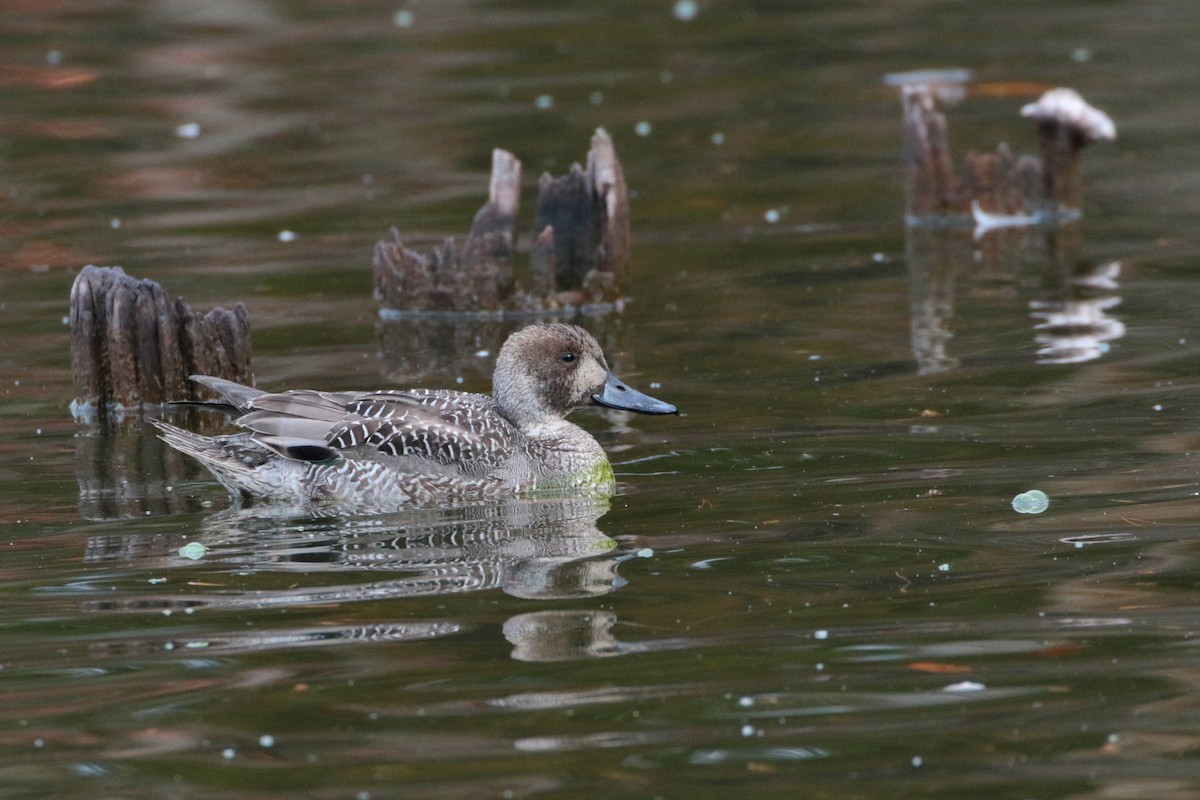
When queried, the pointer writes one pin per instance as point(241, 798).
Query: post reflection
point(1073, 324)
point(1072, 312)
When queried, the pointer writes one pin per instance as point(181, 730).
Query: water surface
point(811, 584)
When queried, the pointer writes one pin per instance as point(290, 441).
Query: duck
point(393, 448)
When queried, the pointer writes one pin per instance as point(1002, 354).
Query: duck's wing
point(419, 431)
point(295, 424)
point(458, 430)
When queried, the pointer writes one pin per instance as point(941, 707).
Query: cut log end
point(132, 345)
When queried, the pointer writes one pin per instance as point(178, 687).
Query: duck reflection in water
point(535, 548)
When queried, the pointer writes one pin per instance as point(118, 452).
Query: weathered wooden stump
point(581, 227)
point(580, 252)
point(132, 344)
point(1065, 125)
point(997, 188)
point(476, 276)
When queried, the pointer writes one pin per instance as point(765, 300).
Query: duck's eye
point(568, 357)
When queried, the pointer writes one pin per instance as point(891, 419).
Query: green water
point(812, 583)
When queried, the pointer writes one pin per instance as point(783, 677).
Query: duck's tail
point(244, 467)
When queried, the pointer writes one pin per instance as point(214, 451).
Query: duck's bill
point(617, 395)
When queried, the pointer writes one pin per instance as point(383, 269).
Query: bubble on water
point(403, 18)
point(643, 128)
point(645, 552)
point(266, 740)
point(188, 130)
point(1034, 501)
point(597, 98)
point(287, 236)
point(943, 567)
point(228, 753)
point(821, 634)
point(917, 761)
point(718, 138)
point(544, 101)
point(771, 215)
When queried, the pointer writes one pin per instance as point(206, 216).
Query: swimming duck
point(392, 448)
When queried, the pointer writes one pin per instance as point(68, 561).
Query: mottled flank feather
point(392, 448)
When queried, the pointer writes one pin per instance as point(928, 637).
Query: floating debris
point(985, 222)
point(1034, 501)
point(193, 551)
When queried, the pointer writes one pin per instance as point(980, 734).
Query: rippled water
point(812, 584)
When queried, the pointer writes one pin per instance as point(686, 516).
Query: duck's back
point(466, 435)
point(443, 432)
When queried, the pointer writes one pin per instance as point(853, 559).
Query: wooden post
point(133, 345)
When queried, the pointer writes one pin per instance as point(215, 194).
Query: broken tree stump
point(930, 184)
point(579, 256)
point(996, 188)
point(477, 276)
point(1065, 124)
point(132, 344)
point(584, 218)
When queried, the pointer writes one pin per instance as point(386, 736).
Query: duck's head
point(548, 370)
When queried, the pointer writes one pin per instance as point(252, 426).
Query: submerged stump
point(132, 344)
point(579, 256)
point(1018, 189)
